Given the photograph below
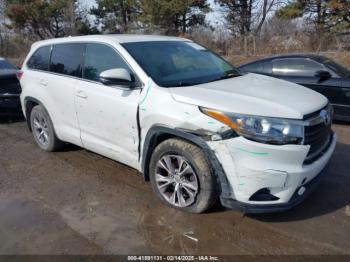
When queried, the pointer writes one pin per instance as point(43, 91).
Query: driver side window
point(99, 58)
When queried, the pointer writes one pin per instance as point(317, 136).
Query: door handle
point(43, 82)
point(81, 94)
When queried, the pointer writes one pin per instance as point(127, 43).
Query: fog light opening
point(263, 194)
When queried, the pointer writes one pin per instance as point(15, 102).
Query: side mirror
point(117, 76)
point(323, 75)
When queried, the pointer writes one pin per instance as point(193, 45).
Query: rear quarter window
point(40, 59)
point(67, 59)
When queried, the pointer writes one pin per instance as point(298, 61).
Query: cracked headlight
point(261, 129)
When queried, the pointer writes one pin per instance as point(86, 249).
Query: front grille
point(318, 137)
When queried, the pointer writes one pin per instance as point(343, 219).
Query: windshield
point(177, 63)
point(4, 65)
point(340, 70)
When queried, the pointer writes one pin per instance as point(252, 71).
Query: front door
point(107, 115)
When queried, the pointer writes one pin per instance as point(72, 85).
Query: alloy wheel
point(176, 180)
point(41, 129)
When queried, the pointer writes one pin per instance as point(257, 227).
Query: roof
point(312, 56)
point(119, 38)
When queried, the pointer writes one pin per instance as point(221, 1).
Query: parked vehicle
point(181, 115)
point(10, 89)
point(313, 71)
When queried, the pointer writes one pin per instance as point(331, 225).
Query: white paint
point(255, 95)
point(118, 73)
point(103, 118)
point(281, 169)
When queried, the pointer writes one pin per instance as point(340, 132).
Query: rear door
point(61, 84)
point(303, 71)
point(107, 114)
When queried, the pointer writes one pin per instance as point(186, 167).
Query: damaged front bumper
point(267, 178)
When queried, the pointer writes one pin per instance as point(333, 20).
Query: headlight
point(262, 129)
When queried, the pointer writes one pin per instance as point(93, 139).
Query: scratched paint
point(148, 88)
point(252, 152)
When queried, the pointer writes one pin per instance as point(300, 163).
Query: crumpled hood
point(253, 94)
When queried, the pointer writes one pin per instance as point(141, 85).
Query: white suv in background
point(181, 115)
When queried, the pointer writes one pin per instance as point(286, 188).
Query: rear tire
point(181, 176)
point(43, 130)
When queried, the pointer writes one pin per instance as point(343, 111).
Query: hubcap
point(176, 180)
point(41, 129)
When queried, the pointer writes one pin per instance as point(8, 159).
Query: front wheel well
point(154, 141)
point(157, 135)
point(29, 105)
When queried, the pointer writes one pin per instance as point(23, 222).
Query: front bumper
point(251, 167)
point(10, 104)
point(295, 200)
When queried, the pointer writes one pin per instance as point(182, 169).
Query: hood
point(253, 94)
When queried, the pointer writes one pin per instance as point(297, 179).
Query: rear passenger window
point(40, 59)
point(99, 58)
point(66, 59)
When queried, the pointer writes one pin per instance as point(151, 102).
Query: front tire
point(181, 176)
point(43, 130)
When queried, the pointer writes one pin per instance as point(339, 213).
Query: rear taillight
point(19, 74)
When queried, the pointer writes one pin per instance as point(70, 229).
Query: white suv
point(181, 115)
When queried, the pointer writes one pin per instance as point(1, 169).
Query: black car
point(10, 89)
point(313, 71)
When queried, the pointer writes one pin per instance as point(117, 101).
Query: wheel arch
point(158, 134)
point(29, 104)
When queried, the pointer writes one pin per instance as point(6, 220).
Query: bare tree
point(4, 31)
point(247, 17)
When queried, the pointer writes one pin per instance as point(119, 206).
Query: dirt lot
point(76, 202)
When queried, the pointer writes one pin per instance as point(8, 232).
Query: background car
point(316, 72)
point(10, 89)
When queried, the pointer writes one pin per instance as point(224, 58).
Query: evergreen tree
point(175, 16)
point(44, 19)
point(116, 16)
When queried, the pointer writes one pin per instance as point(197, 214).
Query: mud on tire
point(198, 181)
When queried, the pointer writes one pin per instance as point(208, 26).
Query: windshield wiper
point(228, 76)
point(225, 76)
point(187, 84)
point(178, 84)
